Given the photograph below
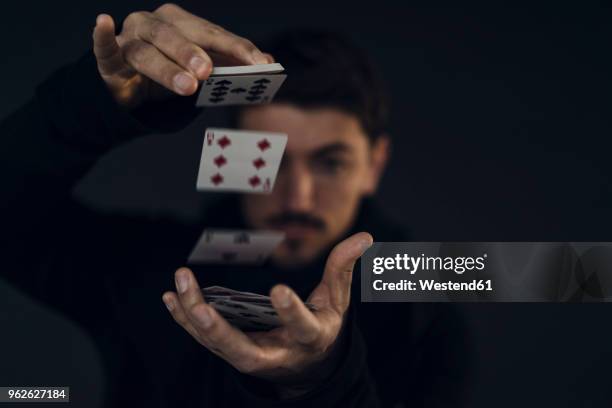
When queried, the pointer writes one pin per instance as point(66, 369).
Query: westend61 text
point(432, 285)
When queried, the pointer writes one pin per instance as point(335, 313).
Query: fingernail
point(284, 297)
point(183, 82)
point(169, 304)
point(182, 282)
point(269, 58)
point(259, 58)
point(205, 317)
point(198, 65)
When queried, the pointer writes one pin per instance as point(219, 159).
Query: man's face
point(329, 165)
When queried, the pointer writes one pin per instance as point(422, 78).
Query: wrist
point(315, 374)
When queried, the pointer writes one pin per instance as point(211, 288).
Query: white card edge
point(273, 68)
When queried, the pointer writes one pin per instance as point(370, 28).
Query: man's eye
point(329, 165)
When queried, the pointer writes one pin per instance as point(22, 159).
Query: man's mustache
point(301, 219)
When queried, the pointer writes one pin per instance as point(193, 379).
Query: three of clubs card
point(241, 161)
point(241, 85)
point(235, 247)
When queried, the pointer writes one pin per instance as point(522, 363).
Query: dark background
point(501, 122)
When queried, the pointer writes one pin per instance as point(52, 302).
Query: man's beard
point(294, 218)
point(294, 245)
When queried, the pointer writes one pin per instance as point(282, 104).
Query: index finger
point(211, 36)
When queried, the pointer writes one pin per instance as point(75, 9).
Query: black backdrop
point(501, 122)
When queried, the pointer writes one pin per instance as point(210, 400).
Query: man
point(106, 272)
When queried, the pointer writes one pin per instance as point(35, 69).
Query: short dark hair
point(326, 69)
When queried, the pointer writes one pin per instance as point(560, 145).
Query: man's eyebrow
point(337, 147)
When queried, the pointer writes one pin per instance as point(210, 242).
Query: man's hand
point(167, 49)
point(297, 353)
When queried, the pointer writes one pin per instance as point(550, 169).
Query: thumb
point(105, 46)
point(338, 273)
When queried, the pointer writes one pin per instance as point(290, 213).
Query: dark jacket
point(107, 272)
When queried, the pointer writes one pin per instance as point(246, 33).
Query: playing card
point(237, 160)
point(239, 89)
point(245, 310)
point(220, 291)
point(235, 247)
point(248, 69)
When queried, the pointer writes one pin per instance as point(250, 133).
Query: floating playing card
point(245, 161)
point(235, 247)
point(239, 89)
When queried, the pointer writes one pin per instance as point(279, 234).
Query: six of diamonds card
point(238, 160)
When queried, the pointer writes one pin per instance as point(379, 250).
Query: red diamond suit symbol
point(263, 144)
point(224, 142)
point(217, 179)
point(254, 181)
point(259, 163)
point(220, 160)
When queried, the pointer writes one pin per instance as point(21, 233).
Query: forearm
point(45, 149)
point(48, 144)
point(51, 142)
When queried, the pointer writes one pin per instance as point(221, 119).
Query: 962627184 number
point(18, 394)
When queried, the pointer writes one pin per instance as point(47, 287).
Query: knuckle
point(219, 27)
point(136, 53)
point(133, 17)
point(186, 52)
point(168, 8)
point(159, 31)
point(215, 30)
point(245, 46)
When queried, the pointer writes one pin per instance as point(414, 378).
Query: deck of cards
point(243, 85)
point(241, 161)
point(245, 310)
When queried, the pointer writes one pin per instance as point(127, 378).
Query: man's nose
point(299, 189)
